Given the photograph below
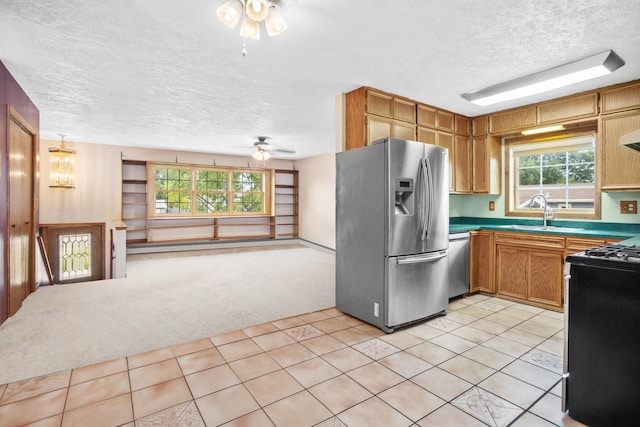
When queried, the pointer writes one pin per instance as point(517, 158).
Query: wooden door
point(403, 130)
point(462, 164)
point(377, 128)
point(480, 167)
point(511, 271)
point(481, 255)
point(619, 165)
point(21, 236)
point(545, 277)
point(445, 140)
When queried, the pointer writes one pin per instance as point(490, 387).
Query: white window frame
point(554, 144)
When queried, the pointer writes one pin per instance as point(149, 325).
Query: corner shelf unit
point(134, 200)
point(286, 204)
point(144, 229)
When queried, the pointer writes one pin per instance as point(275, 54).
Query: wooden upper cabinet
point(430, 136)
point(403, 130)
point(462, 125)
point(480, 125)
point(379, 104)
point(619, 165)
point(377, 128)
point(462, 168)
point(445, 140)
point(404, 110)
point(487, 161)
point(620, 99)
point(432, 117)
point(568, 109)
point(512, 120)
point(426, 116)
point(372, 114)
point(444, 120)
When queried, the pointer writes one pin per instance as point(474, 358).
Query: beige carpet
point(166, 299)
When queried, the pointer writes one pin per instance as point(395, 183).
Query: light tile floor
point(489, 362)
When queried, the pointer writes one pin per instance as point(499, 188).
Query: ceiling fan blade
point(283, 150)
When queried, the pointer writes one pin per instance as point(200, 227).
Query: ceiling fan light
point(260, 154)
point(250, 29)
point(257, 10)
point(275, 23)
point(229, 12)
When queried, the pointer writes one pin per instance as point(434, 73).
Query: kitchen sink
point(539, 228)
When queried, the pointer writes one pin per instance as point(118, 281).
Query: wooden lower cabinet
point(545, 277)
point(511, 271)
point(481, 261)
point(530, 274)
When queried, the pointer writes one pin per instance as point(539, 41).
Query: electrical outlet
point(628, 206)
point(376, 309)
point(492, 205)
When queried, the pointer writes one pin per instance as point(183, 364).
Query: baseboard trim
point(317, 246)
point(177, 247)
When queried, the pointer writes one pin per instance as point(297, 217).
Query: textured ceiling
point(168, 74)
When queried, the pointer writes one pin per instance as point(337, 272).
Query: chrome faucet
point(545, 213)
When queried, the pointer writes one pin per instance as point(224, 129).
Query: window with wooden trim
point(560, 168)
point(183, 190)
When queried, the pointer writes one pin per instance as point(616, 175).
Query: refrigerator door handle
point(424, 188)
point(415, 259)
point(420, 184)
point(429, 188)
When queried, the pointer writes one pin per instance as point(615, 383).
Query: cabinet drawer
point(566, 110)
point(578, 244)
point(529, 239)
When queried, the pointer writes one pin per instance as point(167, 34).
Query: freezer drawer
point(417, 287)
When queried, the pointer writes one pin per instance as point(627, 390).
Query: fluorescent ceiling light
point(553, 78)
point(542, 130)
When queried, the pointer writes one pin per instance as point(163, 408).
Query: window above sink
point(562, 167)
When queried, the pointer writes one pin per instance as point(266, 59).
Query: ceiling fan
point(263, 149)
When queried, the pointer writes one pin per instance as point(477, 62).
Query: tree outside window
point(196, 191)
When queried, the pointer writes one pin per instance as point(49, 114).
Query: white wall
point(317, 189)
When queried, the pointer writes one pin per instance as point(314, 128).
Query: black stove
point(602, 314)
point(625, 253)
point(609, 256)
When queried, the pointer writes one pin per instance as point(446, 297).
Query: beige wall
point(318, 199)
point(97, 196)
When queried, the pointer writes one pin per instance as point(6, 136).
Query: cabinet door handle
point(26, 222)
point(14, 225)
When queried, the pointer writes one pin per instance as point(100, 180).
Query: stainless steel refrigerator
point(392, 232)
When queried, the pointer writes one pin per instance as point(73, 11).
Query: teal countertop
point(608, 230)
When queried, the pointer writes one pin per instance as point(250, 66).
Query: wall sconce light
point(62, 166)
point(564, 75)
